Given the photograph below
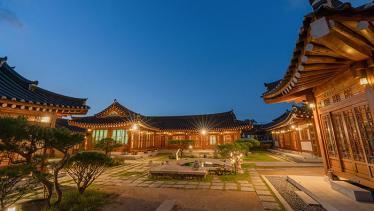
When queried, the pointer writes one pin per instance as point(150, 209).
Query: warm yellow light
point(135, 127)
point(45, 119)
point(204, 131)
point(89, 130)
point(312, 105)
point(364, 81)
point(190, 147)
point(293, 126)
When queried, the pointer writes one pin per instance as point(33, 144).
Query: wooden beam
point(366, 28)
point(322, 66)
point(336, 39)
point(347, 32)
point(317, 49)
point(312, 59)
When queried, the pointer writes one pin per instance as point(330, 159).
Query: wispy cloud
point(9, 17)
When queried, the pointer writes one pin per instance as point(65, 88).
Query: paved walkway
point(319, 188)
point(133, 176)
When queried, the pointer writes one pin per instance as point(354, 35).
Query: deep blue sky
point(157, 57)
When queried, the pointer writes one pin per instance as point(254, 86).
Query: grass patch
point(246, 166)
point(91, 200)
point(260, 157)
point(208, 178)
point(234, 177)
point(129, 174)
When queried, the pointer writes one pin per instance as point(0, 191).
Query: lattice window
point(353, 136)
point(366, 127)
point(326, 102)
point(336, 98)
point(329, 136)
point(348, 93)
point(341, 139)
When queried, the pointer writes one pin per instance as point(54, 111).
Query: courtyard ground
point(249, 191)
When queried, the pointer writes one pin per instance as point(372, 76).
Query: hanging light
point(363, 79)
point(135, 127)
point(203, 132)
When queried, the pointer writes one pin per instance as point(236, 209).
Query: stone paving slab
point(193, 183)
point(271, 206)
point(182, 182)
point(231, 187)
point(216, 187)
point(203, 186)
point(190, 186)
point(246, 189)
point(263, 192)
point(154, 185)
point(178, 186)
point(267, 198)
point(262, 187)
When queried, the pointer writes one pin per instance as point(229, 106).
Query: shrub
point(12, 184)
point(181, 143)
point(248, 144)
point(85, 167)
point(107, 145)
point(90, 200)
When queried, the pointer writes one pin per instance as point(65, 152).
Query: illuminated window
point(212, 140)
point(120, 136)
point(98, 135)
point(45, 119)
point(227, 139)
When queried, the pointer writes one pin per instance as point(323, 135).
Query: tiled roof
point(292, 80)
point(63, 123)
point(13, 86)
point(300, 112)
point(225, 120)
point(117, 114)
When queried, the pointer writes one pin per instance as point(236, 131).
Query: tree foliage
point(62, 140)
point(15, 180)
point(240, 145)
point(85, 167)
point(18, 137)
point(181, 143)
point(107, 145)
point(30, 142)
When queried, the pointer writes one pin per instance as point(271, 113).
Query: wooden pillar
point(318, 129)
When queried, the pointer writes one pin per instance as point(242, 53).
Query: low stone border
point(277, 194)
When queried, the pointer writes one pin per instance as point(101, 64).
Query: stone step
point(307, 199)
point(352, 191)
point(168, 205)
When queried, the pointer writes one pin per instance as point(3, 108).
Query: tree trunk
point(81, 190)
point(56, 171)
point(2, 204)
point(49, 187)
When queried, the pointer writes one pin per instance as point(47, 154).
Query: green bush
point(89, 200)
point(181, 142)
point(85, 167)
point(240, 145)
point(248, 144)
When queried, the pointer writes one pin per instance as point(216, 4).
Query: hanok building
point(141, 133)
point(332, 70)
point(294, 131)
point(22, 97)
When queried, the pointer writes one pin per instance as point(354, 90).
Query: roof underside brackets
point(338, 37)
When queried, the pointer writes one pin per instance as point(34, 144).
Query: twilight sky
point(157, 57)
